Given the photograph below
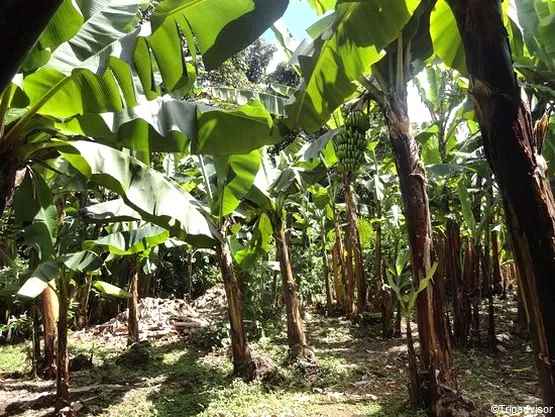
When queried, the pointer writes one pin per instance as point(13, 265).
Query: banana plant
point(61, 266)
point(269, 196)
point(227, 181)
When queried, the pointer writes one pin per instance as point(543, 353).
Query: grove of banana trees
point(135, 138)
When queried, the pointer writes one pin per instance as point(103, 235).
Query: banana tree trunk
point(50, 312)
point(461, 308)
point(376, 288)
point(82, 297)
point(354, 240)
point(436, 362)
point(327, 283)
point(349, 255)
point(295, 330)
point(339, 266)
point(18, 34)
point(513, 150)
point(62, 357)
point(496, 265)
point(190, 273)
point(240, 349)
point(35, 338)
point(133, 302)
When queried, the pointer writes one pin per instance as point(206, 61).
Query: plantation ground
point(360, 374)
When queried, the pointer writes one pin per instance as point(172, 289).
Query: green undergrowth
point(15, 358)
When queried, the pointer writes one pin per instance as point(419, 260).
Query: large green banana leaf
point(158, 199)
point(106, 22)
point(129, 242)
point(274, 104)
point(169, 125)
point(221, 27)
point(342, 53)
point(46, 272)
point(33, 204)
point(110, 63)
point(537, 18)
point(238, 131)
point(446, 37)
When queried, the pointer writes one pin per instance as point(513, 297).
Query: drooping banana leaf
point(158, 199)
point(33, 204)
point(170, 125)
point(129, 242)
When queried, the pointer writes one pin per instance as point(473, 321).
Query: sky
point(297, 18)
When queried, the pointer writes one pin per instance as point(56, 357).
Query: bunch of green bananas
point(350, 143)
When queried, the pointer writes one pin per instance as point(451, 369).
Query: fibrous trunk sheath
point(435, 351)
point(513, 150)
point(240, 349)
point(295, 329)
point(50, 312)
point(62, 357)
point(133, 316)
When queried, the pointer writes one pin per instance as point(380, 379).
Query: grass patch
point(15, 358)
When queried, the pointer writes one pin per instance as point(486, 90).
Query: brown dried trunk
point(50, 313)
point(62, 357)
point(295, 329)
point(133, 313)
point(513, 150)
point(240, 349)
point(435, 351)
